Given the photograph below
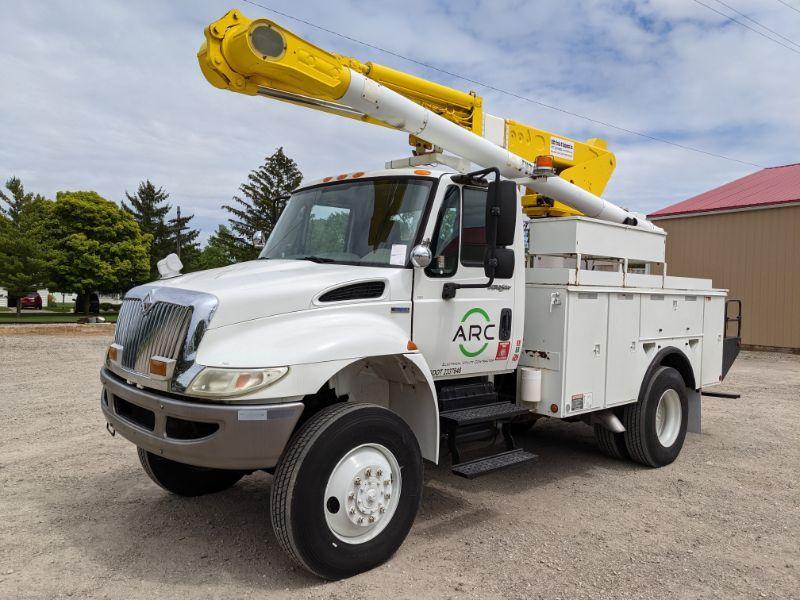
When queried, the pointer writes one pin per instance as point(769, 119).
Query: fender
point(325, 344)
point(670, 356)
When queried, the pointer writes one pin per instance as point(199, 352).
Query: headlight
point(222, 383)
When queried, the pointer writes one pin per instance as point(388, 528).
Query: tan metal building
point(745, 235)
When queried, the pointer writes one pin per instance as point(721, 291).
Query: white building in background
point(3, 298)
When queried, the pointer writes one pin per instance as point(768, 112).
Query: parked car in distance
point(31, 300)
point(94, 303)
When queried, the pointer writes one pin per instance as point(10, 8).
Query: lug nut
point(357, 481)
point(352, 510)
point(378, 473)
point(368, 472)
point(372, 519)
point(360, 520)
point(387, 496)
point(387, 482)
point(351, 495)
point(383, 509)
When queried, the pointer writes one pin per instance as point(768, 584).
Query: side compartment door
point(477, 331)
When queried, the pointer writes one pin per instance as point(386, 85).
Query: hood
point(264, 288)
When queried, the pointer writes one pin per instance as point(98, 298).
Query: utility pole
point(178, 233)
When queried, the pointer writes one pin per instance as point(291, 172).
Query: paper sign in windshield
point(398, 256)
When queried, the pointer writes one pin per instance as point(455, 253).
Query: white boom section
point(375, 100)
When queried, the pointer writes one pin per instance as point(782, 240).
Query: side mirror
point(421, 256)
point(259, 239)
point(501, 208)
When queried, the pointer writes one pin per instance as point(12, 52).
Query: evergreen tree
point(262, 201)
point(149, 208)
point(23, 251)
point(218, 249)
point(16, 201)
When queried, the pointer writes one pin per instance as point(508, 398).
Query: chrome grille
point(160, 331)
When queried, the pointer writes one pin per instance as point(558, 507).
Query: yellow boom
point(259, 57)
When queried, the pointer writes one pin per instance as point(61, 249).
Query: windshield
point(371, 222)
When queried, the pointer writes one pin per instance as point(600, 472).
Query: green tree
point(96, 246)
point(17, 200)
point(149, 208)
point(23, 258)
point(262, 201)
point(218, 251)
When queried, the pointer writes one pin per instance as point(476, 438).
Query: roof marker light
point(421, 172)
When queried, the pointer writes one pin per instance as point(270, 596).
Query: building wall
point(753, 253)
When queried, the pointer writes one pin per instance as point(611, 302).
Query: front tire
point(347, 490)
point(186, 480)
point(655, 426)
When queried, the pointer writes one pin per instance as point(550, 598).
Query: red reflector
point(327, 179)
point(342, 176)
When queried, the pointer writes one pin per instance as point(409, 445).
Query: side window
point(473, 228)
point(446, 237)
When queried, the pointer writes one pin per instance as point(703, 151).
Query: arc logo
point(474, 332)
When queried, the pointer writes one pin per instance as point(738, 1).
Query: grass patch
point(32, 319)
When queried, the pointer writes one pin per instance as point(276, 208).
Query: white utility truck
point(395, 309)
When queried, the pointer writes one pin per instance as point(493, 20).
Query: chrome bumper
point(221, 436)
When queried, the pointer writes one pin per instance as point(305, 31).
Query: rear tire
point(610, 443)
point(655, 426)
point(186, 480)
point(349, 461)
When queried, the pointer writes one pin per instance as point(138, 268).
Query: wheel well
point(392, 381)
point(671, 357)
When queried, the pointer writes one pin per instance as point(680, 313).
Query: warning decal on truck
point(562, 148)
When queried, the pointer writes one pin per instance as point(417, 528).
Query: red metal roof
point(774, 185)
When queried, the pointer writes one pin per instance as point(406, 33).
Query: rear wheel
point(347, 490)
point(610, 443)
point(186, 480)
point(655, 426)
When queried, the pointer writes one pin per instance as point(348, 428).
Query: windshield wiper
point(317, 259)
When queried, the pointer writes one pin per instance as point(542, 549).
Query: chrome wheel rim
point(668, 417)
point(362, 493)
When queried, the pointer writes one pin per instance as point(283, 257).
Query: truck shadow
point(140, 532)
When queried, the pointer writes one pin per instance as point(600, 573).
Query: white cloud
point(107, 95)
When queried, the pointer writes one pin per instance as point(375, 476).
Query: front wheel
point(655, 426)
point(347, 490)
point(186, 480)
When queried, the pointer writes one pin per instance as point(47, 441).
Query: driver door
point(480, 330)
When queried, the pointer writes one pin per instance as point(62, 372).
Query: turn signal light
point(113, 354)
point(411, 345)
point(158, 367)
point(421, 172)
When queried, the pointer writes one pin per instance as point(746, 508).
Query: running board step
point(481, 466)
point(498, 411)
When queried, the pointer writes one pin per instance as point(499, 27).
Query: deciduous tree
point(96, 246)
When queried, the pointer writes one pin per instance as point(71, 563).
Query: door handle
point(505, 324)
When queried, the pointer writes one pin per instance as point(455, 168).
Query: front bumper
point(220, 436)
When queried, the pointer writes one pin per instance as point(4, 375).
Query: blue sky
point(110, 94)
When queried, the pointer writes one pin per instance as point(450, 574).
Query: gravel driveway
point(80, 519)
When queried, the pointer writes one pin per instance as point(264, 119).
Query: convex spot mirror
point(259, 239)
point(502, 267)
point(421, 256)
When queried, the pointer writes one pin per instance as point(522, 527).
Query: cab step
point(497, 411)
point(481, 466)
point(465, 395)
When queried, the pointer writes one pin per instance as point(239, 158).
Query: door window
point(446, 236)
point(473, 228)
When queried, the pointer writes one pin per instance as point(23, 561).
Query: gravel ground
point(81, 519)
